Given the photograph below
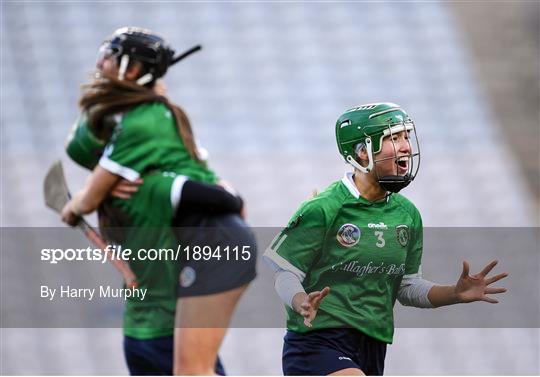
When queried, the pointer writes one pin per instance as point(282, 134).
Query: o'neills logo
point(380, 225)
point(348, 235)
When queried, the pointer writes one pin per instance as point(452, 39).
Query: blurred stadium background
point(263, 96)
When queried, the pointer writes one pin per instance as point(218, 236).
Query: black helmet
point(144, 46)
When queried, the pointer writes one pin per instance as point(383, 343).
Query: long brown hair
point(105, 96)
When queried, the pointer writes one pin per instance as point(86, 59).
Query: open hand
point(310, 305)
point(471, 288)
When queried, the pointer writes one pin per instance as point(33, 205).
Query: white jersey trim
point(283, 263)
point(115, 168)
point(347, 180)
point(176, 190)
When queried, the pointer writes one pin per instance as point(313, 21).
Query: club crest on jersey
point(348, 235)
point(402, 233)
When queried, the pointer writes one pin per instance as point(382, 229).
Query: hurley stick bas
point(57, 195)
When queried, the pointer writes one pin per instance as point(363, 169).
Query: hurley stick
point(57, 195)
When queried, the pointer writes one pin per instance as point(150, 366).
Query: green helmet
point(366, 126)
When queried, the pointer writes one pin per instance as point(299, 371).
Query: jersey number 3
point(380, 239)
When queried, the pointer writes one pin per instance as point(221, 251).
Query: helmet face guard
point(108, 50)
point(409, 161)
point(366, 127)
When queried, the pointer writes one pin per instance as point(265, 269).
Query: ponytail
point(106, 96)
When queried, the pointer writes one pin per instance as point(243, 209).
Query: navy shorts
point(219, 253)
point(321, 352)
point(153, 357)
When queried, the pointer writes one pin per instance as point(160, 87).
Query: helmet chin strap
point(145, 79)
point(395, 183)
point(364, 169)
point(124, 61)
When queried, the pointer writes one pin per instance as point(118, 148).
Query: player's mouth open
point(403, 165)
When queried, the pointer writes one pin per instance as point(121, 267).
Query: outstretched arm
point(469, 288)
point(289, 288)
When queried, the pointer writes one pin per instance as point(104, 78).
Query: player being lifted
point(351, 251)
point(129, 130)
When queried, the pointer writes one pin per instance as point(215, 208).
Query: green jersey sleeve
point(414, 254)
point(297, 246)
point(132, 148)
point(82, 146)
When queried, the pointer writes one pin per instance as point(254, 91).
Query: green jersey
point(145, 143)
point(360, 249)
point(150, 212)
point(146, 139)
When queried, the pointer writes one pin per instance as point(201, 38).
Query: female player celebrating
point(130, 131)
point(356, 248)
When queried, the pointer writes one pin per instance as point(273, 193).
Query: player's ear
point(362, 156)
point(133, 71)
